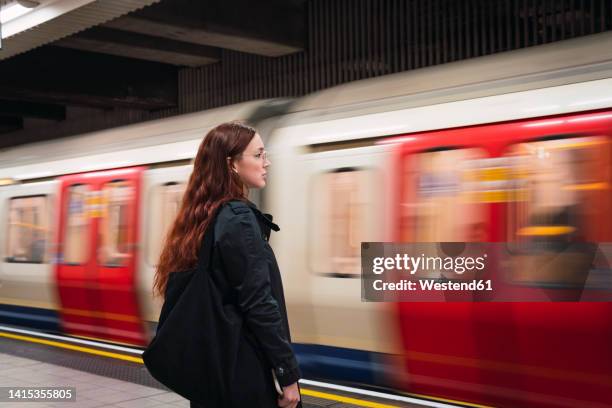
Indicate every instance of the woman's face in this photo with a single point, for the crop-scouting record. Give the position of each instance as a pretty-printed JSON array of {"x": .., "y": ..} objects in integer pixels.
[{"x": 252, "y": 164}]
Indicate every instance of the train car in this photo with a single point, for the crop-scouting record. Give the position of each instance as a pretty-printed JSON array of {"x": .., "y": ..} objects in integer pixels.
[
  {"x": 388, "y": 159},
  {"x": 383, "y": 159}
]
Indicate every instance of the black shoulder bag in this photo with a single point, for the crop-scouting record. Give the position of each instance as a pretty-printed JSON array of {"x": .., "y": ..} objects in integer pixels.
[{"x": 195, "y": 349}]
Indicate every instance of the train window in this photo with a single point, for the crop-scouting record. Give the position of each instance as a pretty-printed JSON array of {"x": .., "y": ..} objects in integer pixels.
[
  {"x": 164, "y": 205},
  {"x": 114, "y": 230},
  {"x": 439, "y": 185},
  {"x": 28, "y": 229},
  {"x": 567, "y": 185},
  {"x": 343, "y": 202},
  {"x": 76, "y": 240}
]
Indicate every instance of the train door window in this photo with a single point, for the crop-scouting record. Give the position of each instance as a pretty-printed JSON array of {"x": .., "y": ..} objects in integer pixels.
[
  {"x": 444, "y": 197},
  {"x": 76, "y": 240},
  {"x": 343, "y": 202},
  {"x": 567, "y": 199},
  {"x": 440, "y": 185},
  {"x": 165, "y": 203},
  {"x": 114, "y": 230},
  {"x": 28, "y": 229}
]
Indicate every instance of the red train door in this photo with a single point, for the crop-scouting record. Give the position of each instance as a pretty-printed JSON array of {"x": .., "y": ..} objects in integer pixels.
[
  {"x": 435, "y": 206},
  {"x": 97, "y": 253},
  {"x": 519, "y": 184}
]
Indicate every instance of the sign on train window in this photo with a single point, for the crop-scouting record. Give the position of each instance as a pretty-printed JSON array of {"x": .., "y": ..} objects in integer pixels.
[
  {"x": 76, "y": 238},
  {"x": 567, "y": 201},
  {"x": 443, "y": 196},
  {"x": 28, "y": 229},
  {"x": 344, "y": 211},
  {"x": 113, "y": 223},
  {"x": 164, "y": 204}
]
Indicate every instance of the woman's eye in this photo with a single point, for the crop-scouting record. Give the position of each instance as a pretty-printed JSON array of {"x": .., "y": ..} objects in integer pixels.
[{"x": 258, "y": 155}]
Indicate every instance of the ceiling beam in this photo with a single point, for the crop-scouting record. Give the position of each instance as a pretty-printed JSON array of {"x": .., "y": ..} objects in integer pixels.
[
  {"x": 32, "y": 110},
  {"x": 272, "y": 28},
  {"x": 133, "y": 45},
  {"x": 71, "y": 77}
]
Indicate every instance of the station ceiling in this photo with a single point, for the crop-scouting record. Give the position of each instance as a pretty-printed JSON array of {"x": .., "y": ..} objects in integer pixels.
[{"x": 127, "y": 53}]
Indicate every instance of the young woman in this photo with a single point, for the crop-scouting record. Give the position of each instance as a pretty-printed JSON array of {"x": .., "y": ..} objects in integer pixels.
[{"x": 231, "y": 160}]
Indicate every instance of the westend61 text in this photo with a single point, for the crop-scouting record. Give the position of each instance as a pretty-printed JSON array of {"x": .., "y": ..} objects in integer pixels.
[{"x": 427, "y": 284}]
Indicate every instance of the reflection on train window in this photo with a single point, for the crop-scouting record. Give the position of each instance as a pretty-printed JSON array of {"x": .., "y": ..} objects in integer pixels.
[
  {"x": 440, "y": 185},
  {"x": 343, "y": 202},
  {"x": 113, "y": 225},
  {"x": 165, "y": 203},
  {"x": 28, "y": 229},
  {"x": 76, "y": 240},
  {"x": 567, "y": 185}
]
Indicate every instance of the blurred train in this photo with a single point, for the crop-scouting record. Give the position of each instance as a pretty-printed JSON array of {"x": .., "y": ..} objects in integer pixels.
[{"x": 468, "y": 151}]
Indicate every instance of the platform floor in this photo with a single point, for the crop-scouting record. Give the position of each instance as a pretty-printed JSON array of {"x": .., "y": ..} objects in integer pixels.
[{"x": 109, "y": 381}]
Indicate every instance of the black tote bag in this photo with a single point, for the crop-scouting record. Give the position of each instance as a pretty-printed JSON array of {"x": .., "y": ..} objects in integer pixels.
[{"x": 195, "y": 349}]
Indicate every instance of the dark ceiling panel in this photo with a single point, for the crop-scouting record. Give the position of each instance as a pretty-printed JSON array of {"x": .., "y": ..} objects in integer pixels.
[
  {"x": 271, "y": 28},
  {"x": 146, "y": 47},
  {"x": 65, "y": 76},
  {"x": 32, "y": 109},
  {"x": 10, "y": 123}
]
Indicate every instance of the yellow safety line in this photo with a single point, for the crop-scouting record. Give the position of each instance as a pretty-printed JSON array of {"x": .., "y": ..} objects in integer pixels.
[
  {"x": 71, "y": 347},
  {"x": 304, "y": 391},
  {"x": 449, "y": 401},
  {"x": 348, "y": 400},
  {"x": 97, "y": 339}
]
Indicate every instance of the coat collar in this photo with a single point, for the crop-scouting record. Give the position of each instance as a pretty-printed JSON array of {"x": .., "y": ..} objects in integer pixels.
[{"x": 265, "y": 218}]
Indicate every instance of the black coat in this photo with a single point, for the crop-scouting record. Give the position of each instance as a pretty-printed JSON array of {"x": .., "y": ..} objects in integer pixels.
[{"x": 245, "y": 270}]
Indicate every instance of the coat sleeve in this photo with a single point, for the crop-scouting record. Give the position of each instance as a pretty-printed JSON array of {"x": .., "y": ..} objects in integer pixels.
[{"x": 243, "y": 256}]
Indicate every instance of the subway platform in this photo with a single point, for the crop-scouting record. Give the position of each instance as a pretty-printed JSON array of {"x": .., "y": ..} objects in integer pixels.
[{"x": 108, "y": 375}]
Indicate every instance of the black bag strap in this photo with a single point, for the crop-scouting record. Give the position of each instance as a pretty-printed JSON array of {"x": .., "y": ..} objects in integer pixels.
[{"x": 206, "y": 250}]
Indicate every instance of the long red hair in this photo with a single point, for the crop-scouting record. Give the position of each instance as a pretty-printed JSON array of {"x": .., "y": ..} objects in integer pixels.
[{"x": 211, "y": 184}]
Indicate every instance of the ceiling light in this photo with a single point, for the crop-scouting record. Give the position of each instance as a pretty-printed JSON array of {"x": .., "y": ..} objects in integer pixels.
[{"x": 15, "y": 10}]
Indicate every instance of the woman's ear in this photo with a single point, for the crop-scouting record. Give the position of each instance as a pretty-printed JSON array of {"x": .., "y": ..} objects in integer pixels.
[{"x": 231, "y": 165}]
